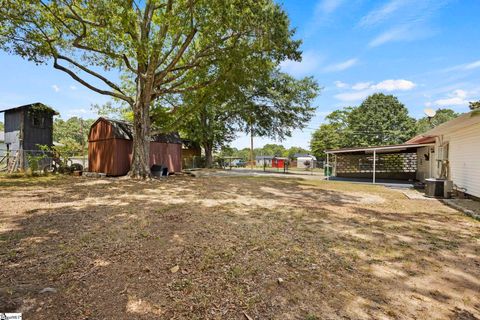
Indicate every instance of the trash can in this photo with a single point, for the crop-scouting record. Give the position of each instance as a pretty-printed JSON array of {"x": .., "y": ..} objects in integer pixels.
[
  {"x": 434, "y": 187},
  {"x": 156, "y": 170},
  {"x": 327, "y": 170}
]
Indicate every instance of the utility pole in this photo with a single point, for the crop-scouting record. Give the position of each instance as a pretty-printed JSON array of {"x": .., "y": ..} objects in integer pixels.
[
  {"x": 251, "y": 146},
  {"x": 83, "y": 143}
]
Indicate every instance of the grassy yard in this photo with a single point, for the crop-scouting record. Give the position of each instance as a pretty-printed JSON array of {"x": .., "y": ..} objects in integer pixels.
[{"x": 215, "y": 248}]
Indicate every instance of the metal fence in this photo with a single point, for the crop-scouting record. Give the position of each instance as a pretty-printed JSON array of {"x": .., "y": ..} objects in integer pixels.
[{"x": 37, "y": 160}]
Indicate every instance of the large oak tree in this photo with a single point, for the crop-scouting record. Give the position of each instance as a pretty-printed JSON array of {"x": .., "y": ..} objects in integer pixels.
[{"x": 155, "y": 45}]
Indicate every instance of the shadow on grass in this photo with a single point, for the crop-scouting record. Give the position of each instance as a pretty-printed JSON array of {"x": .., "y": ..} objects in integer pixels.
[{"x": 109, "y": 248}]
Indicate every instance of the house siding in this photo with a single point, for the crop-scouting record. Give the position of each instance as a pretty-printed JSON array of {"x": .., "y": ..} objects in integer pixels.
[{"x": 464, "y": 158}]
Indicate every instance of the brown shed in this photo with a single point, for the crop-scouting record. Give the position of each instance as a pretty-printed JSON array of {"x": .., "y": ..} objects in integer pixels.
[{"x": 110, "y": 148}]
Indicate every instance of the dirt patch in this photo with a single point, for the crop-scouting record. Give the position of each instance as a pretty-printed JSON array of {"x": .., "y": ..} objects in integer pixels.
[{"x": 215, "y": 247}]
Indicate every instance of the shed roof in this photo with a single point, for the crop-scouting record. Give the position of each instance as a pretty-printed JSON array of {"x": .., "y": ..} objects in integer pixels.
[
  {"x": 385, "y": 149},
  {"x": 31, "y": 105},
  {"x": 124, "y": 130},
  {"x": 264, "y": 157}
]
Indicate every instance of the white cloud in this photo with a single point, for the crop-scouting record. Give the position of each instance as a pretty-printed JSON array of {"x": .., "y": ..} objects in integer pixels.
[
  {"x": 456, "y": 98},
  {"x": 340, "y": 84},
  {"x": 73, "y": 88},
  {"x": 353, "y": 96},
  {"x": 361, "y": 85},
  {"x": 364, "y": 89},
  {"x": 381, "y": 14},
  {"x": 394, "y": 85},
  {"x": 56, "y": 88},
  {"x": 464, "y": 67},
  {"x": 310, "y": 62},
  {"x": 341, "y": 66},
  {"x": 473, "y": 65},
  {"x": 327, "y": 6},
  {"x": 395, "y": 34},
  {"x": 77, "y": 112}
]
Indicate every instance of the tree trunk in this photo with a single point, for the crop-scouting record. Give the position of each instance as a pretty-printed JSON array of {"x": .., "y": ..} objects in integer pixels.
[
  {"x": 140, "y": 168},
  {"x": 208, "y": 155}
]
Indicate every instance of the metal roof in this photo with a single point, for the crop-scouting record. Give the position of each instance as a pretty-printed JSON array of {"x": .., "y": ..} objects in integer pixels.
[
  {"x": 124, "y": 130},
  {"x": 390, "y": 148},
  {"x": 29, "y": 106}
]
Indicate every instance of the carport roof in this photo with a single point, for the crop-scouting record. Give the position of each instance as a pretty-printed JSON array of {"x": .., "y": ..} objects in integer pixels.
[{"x": 378, "y": 149}]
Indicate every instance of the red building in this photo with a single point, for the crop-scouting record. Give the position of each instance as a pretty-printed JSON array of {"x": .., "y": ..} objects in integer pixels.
[{"x": 110, "y": 148}]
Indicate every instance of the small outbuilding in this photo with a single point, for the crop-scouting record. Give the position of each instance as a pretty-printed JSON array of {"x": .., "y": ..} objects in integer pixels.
[
  {"x": 26, "y": 128},
  {"x": 110, "y": 148},
  {"x": 305, "y": 161},
  {"x": 264, "y": 161}
]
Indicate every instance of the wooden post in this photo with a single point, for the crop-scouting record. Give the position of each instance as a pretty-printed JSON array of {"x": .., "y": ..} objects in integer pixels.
[{"x": 374, "y": 164}]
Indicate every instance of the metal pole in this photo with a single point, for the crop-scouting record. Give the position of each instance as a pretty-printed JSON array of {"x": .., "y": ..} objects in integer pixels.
[
  {"x": 83, "y": 144},
  {"x": 251, "y": 147},
  {"x": 374, "y": 164},
  {"x": 328, "y": 172}
]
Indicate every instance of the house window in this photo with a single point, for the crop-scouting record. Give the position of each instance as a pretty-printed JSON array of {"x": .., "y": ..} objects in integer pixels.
[{"x": 38, "y": 121}]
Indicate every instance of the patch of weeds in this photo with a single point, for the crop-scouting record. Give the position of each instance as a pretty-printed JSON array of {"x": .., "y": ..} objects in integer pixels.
[
  {"x": 181, "y": 284},
  {"x": 64, "y": 266},
  {"x": 236, "y": 272},
  {"x": 312, "y": 317}
]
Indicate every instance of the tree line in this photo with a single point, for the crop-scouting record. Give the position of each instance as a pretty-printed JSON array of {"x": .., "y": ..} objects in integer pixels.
[
  {"x": 379, "y": 120},
  {"x": 270, "y": 149}
]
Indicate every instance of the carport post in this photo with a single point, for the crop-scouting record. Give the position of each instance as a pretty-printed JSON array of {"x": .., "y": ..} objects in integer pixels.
[
  {"x": 328, "y": 172},
  {"x": 374, "y": 164}
]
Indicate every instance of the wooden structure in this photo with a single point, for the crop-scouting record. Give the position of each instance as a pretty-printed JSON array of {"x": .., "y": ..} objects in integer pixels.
[
  {"x": 110, "y": 148},
  {"x": 27, "y": 127}
]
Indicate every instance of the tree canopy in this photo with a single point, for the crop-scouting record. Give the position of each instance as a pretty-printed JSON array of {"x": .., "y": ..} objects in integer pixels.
[
  {"x": 157, "y": 46},
  {"x": 380, "y": 120},
  {"x": 72, "y": 132},
  {"x": 442, "y": 115}
]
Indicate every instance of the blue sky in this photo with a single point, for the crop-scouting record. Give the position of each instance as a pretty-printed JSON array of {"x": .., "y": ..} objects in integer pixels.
[{"x": 425, "y": 52}]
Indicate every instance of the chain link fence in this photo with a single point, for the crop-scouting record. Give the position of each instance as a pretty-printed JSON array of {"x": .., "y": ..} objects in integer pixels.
[{"x": 40, "y": 161}]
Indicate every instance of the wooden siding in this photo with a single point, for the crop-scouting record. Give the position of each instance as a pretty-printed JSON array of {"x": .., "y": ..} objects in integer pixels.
[
  {"x": 464, "y": 158},
  {"x": 166, "y": 154},
  {"x": 113, "y": 156},
  {"x": 101, "y": 130},
  {"x": 35, "y": 135}
]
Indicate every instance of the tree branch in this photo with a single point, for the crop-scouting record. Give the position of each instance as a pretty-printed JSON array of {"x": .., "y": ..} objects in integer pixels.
[{"x": 91, "y": 87}]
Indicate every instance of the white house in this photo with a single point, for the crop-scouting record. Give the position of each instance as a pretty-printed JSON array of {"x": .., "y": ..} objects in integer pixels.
[
  {"x": 306, "y": 161},
  {"x": 264, "y": 161},
  {"x": 457, "y": 143}
]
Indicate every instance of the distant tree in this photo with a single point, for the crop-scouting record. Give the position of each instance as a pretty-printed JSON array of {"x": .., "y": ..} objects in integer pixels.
[
  {"x": 72, "y": 132},
  {"x": 290, "y": 152},
  {"x": 2, "y": 127},
  {"x": 380, "y": 120},
  {"x": 328, "y": 136},
  {"x": 272, "y": 149},
  {"x": 275, "y": 106},
  {"x": 442, "y": 115}
]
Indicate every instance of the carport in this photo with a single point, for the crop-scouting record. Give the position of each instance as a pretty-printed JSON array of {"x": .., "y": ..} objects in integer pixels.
[{"x": 394, "y": 162}]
